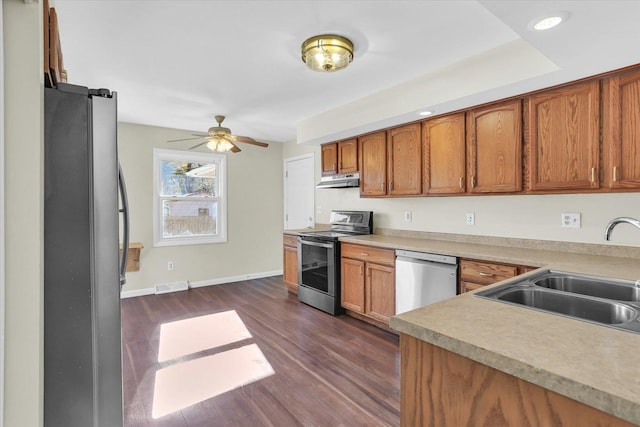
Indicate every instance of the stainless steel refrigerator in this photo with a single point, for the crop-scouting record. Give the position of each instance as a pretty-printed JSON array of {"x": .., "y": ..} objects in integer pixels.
[{"x": 83, "y": 271}]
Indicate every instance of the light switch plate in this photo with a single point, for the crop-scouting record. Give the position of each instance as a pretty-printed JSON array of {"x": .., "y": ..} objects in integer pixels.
[
  {"x": 571, "y": 220},
  {"x": 407, "y": 216}
]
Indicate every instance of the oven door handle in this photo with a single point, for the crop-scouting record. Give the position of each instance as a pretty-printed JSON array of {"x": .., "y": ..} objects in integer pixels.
[{"x": 320, "y": 245}]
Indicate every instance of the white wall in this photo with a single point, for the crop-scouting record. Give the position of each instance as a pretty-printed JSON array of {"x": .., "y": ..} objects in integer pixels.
[
  {"x": 23, "y": 213},
  {"x": 255, "y": 211},
  {"x": 525, "y": 216}
]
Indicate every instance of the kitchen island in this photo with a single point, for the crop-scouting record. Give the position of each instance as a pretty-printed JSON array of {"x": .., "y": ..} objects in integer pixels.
[{"x": 474, "y": 361}]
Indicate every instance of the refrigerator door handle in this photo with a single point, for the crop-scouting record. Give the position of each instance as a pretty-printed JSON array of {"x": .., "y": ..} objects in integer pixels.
[{"x": 125, "y": 234}]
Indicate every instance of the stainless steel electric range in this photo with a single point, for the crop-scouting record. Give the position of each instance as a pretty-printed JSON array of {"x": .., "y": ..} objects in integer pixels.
[{"x": 319, "y": 259}]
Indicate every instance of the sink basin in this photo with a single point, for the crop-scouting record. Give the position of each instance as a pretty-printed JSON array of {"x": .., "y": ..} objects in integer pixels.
[
  {"x": 605, "y": 301},
  {"x": 587, "y": 286},
  {"x": 607, "y": 312}
]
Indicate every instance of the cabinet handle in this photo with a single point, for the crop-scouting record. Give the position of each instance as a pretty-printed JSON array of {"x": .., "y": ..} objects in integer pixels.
[
  {"x": 340, "y": 165},
  {"x": 382, "y": 186},
  {"x": 362, "y": 270},
  {"x": 368, "y": 272},
  {"x": 364, "y": 254},
  {"x": 460, "y": 182},
  {"x": 486, "y": 274},
  {"x": 593, "y": 174},
  {"x": 473, "y": 181},
  {"x": 391, "y": 185},
  {"x": 615, "y": 173}
]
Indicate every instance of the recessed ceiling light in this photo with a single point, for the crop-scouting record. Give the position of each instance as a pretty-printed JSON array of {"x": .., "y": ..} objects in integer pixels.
[
  {"x": 425, "y": 113},
  {"x": 547, "y": 22}
]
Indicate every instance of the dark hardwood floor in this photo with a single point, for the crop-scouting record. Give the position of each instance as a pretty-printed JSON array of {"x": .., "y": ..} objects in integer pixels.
[{"x": 329, "y": 371}]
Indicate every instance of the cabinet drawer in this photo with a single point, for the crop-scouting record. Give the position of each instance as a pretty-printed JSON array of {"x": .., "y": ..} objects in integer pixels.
[
  {"x": 290, "y": 240},
  {"x": 485, "y": 273},
  {"x": 369, "y": 254}
]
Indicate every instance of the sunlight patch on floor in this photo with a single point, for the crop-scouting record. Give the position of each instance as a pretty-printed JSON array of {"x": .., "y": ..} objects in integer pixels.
[
  {"x": 185, "y": 384},
  {"x": 188, "y": 336}
]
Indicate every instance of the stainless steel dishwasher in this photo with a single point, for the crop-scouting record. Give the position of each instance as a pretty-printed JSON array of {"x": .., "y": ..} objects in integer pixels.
[{"x": 424, "y": 278}]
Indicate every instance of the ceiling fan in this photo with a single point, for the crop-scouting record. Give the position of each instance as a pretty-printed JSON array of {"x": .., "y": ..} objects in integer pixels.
[{"x": 221, "y": 139}]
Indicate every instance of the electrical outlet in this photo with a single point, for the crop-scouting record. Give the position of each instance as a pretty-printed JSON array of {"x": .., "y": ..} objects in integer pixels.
[
  {"x": 170, "y": 265},
  {"x": 571, "y": 220},
  {"x": 407, "y": 216},
  {"x": 471, "y": 218}
]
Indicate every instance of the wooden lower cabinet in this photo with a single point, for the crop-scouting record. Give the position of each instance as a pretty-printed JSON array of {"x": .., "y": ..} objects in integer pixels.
[
  {"x": 381, "y": 292},
  {"x": 290, "y": 261},
  {"x": 353, "y": 286},
  {"x": 368, "y": 278},
  {"x": 476, "y": 274},
  {"x": 441, "y": 388}
]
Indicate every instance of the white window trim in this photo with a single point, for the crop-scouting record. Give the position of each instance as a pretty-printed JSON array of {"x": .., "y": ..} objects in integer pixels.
[{"x": 189, "y": 156}]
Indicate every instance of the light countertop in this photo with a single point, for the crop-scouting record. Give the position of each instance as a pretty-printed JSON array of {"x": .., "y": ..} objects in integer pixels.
[{"x": 593, "y": 364}]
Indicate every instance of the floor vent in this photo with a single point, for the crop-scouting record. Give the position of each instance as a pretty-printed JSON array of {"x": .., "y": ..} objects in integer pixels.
[{"x": 165, "y": 288}]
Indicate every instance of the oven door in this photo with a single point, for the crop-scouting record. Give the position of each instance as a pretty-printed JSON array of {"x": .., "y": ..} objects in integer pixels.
[{"x": 317, "y": 264}]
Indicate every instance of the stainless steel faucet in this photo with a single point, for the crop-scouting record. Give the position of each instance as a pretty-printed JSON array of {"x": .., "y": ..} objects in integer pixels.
[{"x": 616, "y": 221}]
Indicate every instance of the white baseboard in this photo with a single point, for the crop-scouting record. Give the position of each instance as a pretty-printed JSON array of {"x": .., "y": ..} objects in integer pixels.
[
  {"x": 202, "y": 283},
  {"x": 232, "y": 279}
]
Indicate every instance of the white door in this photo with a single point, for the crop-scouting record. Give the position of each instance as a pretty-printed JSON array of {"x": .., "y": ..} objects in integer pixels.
[{"x": 299, "y": 192}]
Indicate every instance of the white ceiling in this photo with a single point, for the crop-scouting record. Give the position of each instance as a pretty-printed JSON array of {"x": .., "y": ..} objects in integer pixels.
[{"x": 178, "y": 63}]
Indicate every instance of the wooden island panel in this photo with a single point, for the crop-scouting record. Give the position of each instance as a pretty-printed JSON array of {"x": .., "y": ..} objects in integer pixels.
[{"x": 441, "y": 388}]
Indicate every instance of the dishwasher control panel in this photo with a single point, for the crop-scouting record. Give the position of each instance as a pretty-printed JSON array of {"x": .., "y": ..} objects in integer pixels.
[{"x": 424, "y": 256}]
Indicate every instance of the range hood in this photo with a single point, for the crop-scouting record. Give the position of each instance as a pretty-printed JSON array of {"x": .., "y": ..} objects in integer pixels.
[{"x": 340, "y": 181}]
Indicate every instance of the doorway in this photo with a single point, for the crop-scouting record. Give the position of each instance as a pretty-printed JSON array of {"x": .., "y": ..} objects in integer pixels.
[{"x": 299, "y": 192}]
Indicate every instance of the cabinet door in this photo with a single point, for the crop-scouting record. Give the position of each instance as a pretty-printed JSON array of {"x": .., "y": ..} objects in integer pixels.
[
  {"x": 621, "y": 130},
  {"x": 329, "y": 159},
  {"x": 494, "y": 148},
  {"x": 352, "y": 286},
  {"x": 443, "y": 148},
  {"x": 381, "y": 292},
  {"x": 348, "y": 156},
  {"x": 563, "y": 137},
  {"x": 290, "y": 277},
  {"x": 469, "y": 286},
  {"x": 404, "y": 160},
  {"x": 373, "y": 165}
]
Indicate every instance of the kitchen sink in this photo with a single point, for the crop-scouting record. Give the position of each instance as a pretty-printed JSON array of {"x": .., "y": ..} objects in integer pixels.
[
  {"x": 607, "y": 312},
  {"x": 588, "y": 286},
  {"x": 605, "y": 301}
]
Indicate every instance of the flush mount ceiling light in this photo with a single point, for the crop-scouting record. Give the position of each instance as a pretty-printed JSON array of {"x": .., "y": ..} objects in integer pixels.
[
  {"x": 327, "y": 52},
  {"x": 547, "y": 22},
  {"x": 425, "y": 113}
]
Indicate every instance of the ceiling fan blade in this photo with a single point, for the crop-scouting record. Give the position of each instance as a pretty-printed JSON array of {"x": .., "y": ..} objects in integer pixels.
[
  {"x": 235, "y": 148},
  {"x": 248, "y": 140},
  {"x": 197, "y": 145},
  {"x": 186, "y": 139}
]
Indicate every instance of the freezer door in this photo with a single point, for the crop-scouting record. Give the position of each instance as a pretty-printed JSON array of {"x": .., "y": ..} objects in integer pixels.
[{"x": 82, "y": 339}]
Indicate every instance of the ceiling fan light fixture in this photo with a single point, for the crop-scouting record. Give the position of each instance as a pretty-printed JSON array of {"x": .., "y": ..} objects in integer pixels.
[
  {"x": 327, "y": 52},
  {"x": 221, "y": 145}
]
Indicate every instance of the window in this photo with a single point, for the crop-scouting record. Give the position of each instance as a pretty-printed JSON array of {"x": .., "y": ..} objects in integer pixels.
[{"x": 189, "y": 198}]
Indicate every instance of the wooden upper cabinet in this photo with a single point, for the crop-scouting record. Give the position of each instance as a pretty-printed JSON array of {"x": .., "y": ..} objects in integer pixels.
[
  {"x": 330, "y": 159},
  {"x": 373, "y": 171},
  {"x": 563, "y": 138},
  {"x": 621, "y": 130},
  {"x": 494, "y": 148},
  {"x": 340, "y": 157},
  {"x": 348, "y": 156},
  {"x": 404, "y": 160},
  {"x": 443, "y": 149}
]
